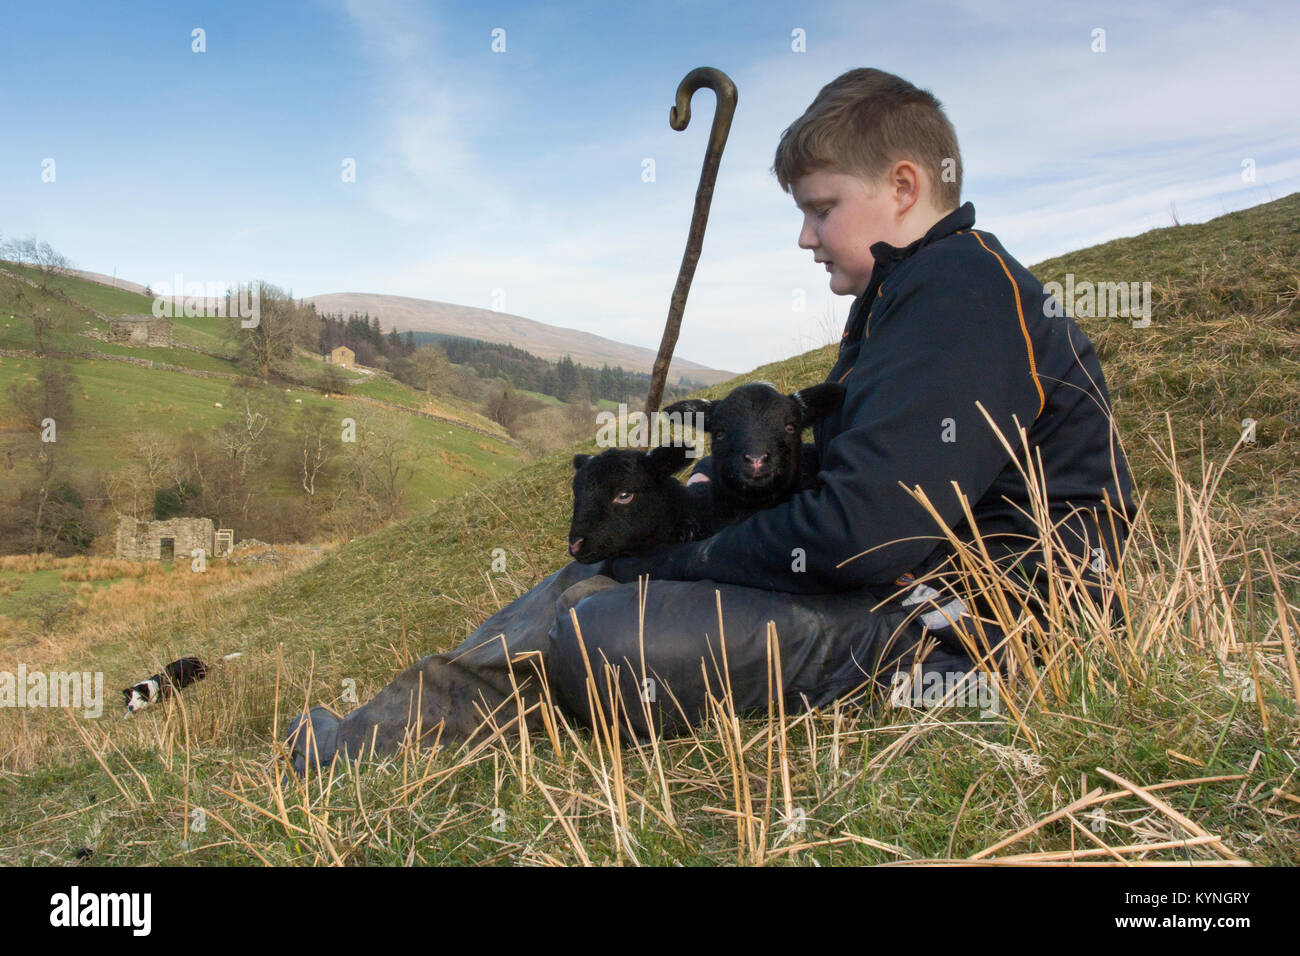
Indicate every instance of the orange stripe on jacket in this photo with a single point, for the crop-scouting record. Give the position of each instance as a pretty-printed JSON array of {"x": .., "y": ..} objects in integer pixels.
[{"x": 1029, "y": 346}]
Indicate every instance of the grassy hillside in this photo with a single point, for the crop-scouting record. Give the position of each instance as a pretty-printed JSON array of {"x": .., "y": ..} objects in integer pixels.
[
  {"x": 1223, "y": 346},
  {"x": 118, "y": 398},
  {"x": 1195, "y": 703},
  {"x": 198, "y": 331},
  {"x": 75, "y": 301},
  {"x": 444, "y": 406}
]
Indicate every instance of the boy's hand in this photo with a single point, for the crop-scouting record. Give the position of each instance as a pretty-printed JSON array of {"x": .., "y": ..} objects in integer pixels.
[{"x": 626, "y": 570}]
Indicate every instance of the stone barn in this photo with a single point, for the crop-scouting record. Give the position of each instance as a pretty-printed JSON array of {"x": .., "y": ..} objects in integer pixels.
[
  {"x": 343, "y": 356},
  {"x": 141, "y": 330},
  {"x": 163, "y": 540}
]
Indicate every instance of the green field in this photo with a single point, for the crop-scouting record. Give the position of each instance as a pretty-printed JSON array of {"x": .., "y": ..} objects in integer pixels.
[
  {"x": 199, "y": 331},
  {"x": 118, "y": 398},
  {"x": 603, "y": 404},
  {"x": 447, "y": 406}
]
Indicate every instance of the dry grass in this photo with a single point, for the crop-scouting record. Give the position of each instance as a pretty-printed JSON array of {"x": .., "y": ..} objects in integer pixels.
[{"x": 843, "y": 785}]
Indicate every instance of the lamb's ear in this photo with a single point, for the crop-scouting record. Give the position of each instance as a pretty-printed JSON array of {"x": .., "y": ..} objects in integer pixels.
[
  {"x": 580, "y": 460},
  {"x": 691, "y": 407},
  {"x": 665, "y": 460},
  {"x": 817, "y": 402}
]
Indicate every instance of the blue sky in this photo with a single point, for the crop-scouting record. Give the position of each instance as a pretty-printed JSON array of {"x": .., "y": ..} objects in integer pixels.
[{"x": 520, "y": 171}]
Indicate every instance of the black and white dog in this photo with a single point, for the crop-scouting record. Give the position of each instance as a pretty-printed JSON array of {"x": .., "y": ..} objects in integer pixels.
[{"x": 175, "y": 676}]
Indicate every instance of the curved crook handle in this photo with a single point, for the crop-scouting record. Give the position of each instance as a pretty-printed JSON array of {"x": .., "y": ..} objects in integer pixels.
[
  {"x": 679, "y": 115},
  {"x": 678, "y": 118}
]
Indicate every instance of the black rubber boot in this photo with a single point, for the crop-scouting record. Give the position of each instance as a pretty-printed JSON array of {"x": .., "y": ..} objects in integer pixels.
[{"x": 446, "y": 698}]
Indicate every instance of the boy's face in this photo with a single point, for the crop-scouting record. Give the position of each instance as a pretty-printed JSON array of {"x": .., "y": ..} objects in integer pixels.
[{"x": 843, "y": 216}]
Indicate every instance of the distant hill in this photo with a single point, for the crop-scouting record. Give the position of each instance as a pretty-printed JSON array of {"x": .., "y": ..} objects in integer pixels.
[
  {"x": 113, "y": 281},
  {"x": 117, "y": 282},
  {"x": 545, "y": 341}
]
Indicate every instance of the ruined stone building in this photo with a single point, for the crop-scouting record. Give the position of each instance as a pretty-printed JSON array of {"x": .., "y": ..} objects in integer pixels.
[
  {"x": 141, "y": 330},
  {"x": 163, "y": 540}
]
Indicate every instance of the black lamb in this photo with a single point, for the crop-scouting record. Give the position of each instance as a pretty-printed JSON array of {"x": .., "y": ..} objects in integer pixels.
[
  {"x": 756, "y": 433},
  {"x": 627, "y": 502}
]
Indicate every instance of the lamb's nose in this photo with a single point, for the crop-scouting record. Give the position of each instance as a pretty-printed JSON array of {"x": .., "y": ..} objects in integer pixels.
[
  {"x": 575, "y": 546},
  {"x": 756, "y": 462}
]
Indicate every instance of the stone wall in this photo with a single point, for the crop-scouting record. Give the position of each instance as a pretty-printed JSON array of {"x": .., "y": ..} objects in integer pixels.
[
  {"x": 128, "y": 359},
  {"x": 153, "y": 332},
  {"x": 142, "y": 540}
]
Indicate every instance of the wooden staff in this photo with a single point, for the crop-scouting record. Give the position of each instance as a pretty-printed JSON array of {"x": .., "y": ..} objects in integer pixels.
[{"x": 678, "y": 117}]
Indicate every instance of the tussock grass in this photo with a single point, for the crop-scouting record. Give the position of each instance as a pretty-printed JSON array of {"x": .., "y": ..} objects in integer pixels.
[
  {"x": 1171, "y": 739},
  {"x": 1223, "y": 346}
]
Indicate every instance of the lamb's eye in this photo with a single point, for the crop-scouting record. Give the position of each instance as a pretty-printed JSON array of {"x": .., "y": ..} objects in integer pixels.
[
  {"x": 623, "y": 497},
  {"x": 719, "y": 435},
  {"x": 791, "y": 429}
]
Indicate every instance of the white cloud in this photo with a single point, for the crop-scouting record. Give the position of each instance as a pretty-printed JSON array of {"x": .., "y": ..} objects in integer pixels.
[
  {"x": 426, "y": 115},
  {"x": 1062, "y": 148}
]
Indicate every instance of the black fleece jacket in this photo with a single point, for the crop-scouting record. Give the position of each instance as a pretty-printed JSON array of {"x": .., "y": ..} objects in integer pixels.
[{"x": 947, "y": 322}]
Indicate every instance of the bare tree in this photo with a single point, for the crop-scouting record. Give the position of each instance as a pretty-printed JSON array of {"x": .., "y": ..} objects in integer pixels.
[
  {"x": 239, "y": 441},
  {"x": 382, "y": 464},
  {"x": 44, "y": 407},
  {"x": 49, "y": 397},
  {"x": 432, "y": 367},
  {"x": 258, "y": 415},
  {"x": 332, "y": 381},
  {"x": 49, "y": 263},
  {"x": 49, "y": 512},
  {"x": 156, "y": 454},
  {"x": 506, "y": 407},
  {"x": 40, "y": 255},
  {"x": 315, "y": 444},
  {"x": 45, "y": 471},
  {"x": 153, "y": 466},
  {"x": 267, "y": 347},
  {"x": 216, "y": 478}
]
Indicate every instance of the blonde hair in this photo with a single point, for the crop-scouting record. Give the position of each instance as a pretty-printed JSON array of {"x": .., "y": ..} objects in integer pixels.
[{"x": 863, "y": 122}]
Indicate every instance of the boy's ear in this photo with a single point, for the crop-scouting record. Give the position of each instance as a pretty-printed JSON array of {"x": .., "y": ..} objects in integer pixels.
[
  {"x": 817, "y": 402},
  {"x": 665, "y": 460},
  {"x": 580, "y": 460},
  {"x": 691, "y": 407}
]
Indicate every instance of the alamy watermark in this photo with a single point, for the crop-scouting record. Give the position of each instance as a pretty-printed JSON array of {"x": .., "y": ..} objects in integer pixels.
[
  {"x": 75, "y": 689},
  {"x": 623, "y": 429},
  {"x": 130, "y": 910},
  {"x": 953, "y": 689},
  {"x": 209, "y": 300},
  {"x": 1108, "y": 300}
]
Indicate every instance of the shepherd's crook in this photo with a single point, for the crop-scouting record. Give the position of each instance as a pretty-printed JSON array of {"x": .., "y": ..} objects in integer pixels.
[{"x": 678, "y": 117}]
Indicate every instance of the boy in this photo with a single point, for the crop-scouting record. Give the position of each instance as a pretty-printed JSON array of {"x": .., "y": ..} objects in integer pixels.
[{"x": 944, "y": 318}]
